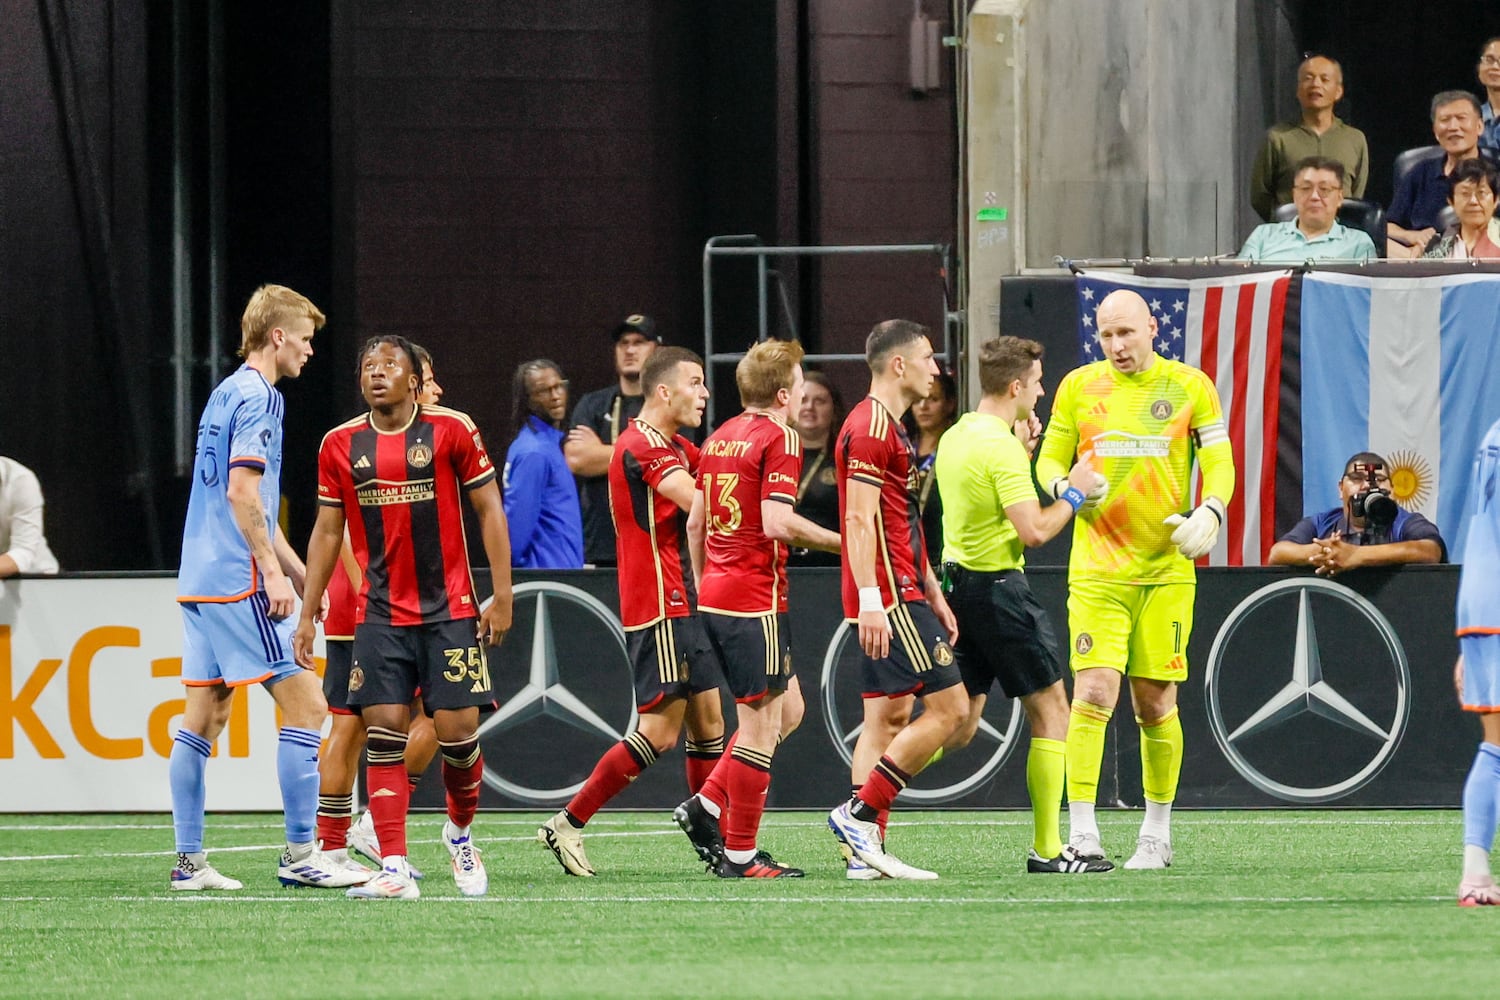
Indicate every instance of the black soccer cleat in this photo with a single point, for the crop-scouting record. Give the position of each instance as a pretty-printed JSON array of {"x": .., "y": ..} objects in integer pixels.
[
  {"x": 760, "y": 866},
  {"x": 702, "y": 831},
  {"x": 1067, "y": 863}
]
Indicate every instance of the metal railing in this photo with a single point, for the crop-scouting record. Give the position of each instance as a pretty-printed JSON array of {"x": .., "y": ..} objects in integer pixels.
[{"x": 749, "y": 245}]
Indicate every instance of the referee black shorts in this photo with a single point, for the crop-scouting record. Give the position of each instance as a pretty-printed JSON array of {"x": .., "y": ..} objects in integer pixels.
[{"x": 1003, "y": 632}]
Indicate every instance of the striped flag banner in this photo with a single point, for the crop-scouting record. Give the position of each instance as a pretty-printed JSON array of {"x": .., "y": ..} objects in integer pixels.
[
  {"x": 1232, "y": 329},
  {"x": 1408, "y": 368}
]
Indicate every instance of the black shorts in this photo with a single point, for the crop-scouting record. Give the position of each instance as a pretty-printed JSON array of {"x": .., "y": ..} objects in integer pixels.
[
  {"x": 1003, "y": 632},
  {"x": 756, "y": 653},
  {"x": 442, "y": 661},
  {"x": 671, "y": 659},
  {"x": 920, "y": 662},
  {"x": 340, "y": 656}
]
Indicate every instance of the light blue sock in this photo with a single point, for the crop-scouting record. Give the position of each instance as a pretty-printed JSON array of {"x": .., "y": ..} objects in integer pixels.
[
  {"x": 1482, "y": 797},
  {"x": 185, "y": 768},
  {"x": 297, "y": 770}
]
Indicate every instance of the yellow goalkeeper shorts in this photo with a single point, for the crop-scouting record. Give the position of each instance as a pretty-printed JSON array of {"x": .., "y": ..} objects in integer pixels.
[{"x": 1141, "y": 631}]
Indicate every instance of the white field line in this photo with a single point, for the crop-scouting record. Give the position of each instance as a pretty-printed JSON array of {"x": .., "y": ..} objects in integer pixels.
[{"x": 314, "y": 897}]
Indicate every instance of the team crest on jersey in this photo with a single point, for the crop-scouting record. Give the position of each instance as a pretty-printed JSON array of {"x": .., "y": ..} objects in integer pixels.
[
  {"x": 1084, "y": 644},
  {"x": 942, "y": 653},
  {"x": 356, "y": 679},
  {"x": 1161, "y": 409},
  {"x": 419, "y": 455}
]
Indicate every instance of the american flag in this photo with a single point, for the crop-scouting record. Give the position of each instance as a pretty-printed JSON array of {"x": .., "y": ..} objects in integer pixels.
[{"x": 1231, "y": 328}]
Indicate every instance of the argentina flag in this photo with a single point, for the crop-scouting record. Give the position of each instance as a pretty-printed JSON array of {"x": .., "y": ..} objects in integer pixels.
[{"x": 1408, "y": 368}]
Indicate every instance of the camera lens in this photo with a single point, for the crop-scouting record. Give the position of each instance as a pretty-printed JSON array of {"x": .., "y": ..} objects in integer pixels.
[{"x": 1380, "y": 509}]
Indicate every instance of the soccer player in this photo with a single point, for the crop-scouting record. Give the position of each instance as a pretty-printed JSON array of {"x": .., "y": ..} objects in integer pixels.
[
  {"x": 402, "y": 469},
  {"x": 740, "y": 530},
  {"x": 1131, "y": 582},
  {"x": 990, "y": 516},
  {"x": 892, "y": 595},
  {"x": 650, "y": 494},
  {"x": 236, "y": 588},
  {"x": 346, "y": 737},
  {"x": 1477, "y": 673}
]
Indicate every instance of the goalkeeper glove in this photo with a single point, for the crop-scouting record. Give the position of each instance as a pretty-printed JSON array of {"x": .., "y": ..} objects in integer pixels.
[
  {"x": 1093, "y": 498},
  {"x": 1195, "y": 534}
]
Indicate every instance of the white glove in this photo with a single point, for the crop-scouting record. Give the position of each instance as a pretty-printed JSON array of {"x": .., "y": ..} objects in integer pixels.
[
  {"x": 1196, "y": 534},
  {"x": 1093, "y": 498}
]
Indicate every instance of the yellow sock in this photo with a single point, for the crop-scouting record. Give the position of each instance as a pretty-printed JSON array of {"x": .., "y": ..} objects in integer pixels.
[
  {"x": 1046, "y": 761},
  {"x": 1161, "y": 756},
  {"x": 1086, "y": 727}
]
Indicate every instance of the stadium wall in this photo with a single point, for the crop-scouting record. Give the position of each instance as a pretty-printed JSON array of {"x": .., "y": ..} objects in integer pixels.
[{"x": 1303, "y": 692}]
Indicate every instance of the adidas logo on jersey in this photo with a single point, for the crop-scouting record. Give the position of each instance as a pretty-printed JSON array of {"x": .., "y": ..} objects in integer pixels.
[{"x": 363, "y": 463}]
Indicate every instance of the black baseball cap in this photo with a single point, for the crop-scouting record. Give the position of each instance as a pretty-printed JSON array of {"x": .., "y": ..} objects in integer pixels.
[{"x": 637, "y": 323}]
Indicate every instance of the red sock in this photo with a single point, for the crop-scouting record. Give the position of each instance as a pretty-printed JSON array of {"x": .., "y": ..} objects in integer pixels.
[
  {"x": 715, "y": 787},
  {"x": 885, "y": 782},
  {"x": 333, "y": 831},
  {"x": 881, "y": 821},
  {"x": 463, "y": 771},
  {"x": 749, "y": 775},
  {"x": 389, "y": 799},
  {"x": 619, "y": 766}
]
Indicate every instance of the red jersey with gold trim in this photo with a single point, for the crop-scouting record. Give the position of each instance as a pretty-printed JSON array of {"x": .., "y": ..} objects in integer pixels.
[
  {"x": 873, "y": 448},
  {"x": 655, "y": 570},
  {"x": 752, "y": 458},
  {"x": 342, "y": 602},
  {"x": 402, "y": 493}
]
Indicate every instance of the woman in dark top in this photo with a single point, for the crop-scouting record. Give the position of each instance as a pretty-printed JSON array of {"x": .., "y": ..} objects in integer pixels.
[
  {"x": 926, "y": 422},
  {"x": 818, "y": 420}
]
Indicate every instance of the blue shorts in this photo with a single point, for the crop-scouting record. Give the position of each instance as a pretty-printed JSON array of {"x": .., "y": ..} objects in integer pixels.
[
  {"x": 1481, "y": 672},
  {"x": 234, "y": 644}
]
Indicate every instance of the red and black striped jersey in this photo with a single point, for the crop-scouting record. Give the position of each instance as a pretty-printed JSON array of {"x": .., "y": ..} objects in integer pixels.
[
  {"x": 655, "y": 571},
  {"x": 402, "y": 493},
  {"x": 873, "y": 448},
  {"x": 753, "y": 457}
]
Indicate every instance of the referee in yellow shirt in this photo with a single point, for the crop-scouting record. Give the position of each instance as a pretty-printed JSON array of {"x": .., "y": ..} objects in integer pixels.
[{"x": 990, "y": 515}]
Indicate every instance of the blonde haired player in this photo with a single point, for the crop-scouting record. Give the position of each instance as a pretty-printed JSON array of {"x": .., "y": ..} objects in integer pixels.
[{"x": 1131, "y": 581}]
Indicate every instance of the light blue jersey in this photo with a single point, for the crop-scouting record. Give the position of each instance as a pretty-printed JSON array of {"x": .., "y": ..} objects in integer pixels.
[
  {"x": 1479, "y": 586},
  {"x": 240, "y": 426}
]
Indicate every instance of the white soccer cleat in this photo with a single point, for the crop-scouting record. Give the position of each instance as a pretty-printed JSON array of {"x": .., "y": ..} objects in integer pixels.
[
  {"x": 468, "y": 869},
  {"x": 196, "y": 876},
  {"x": 565, "y": 841},
  {"x": 1471, "y": 892},
  {"x": 857, "y": 871},
  {"x": 339, "y": 858},
  {"x": 863, "y": 840},
  {"x": 1086, "y": 845},
  {"x": 394, "y": 882},
  {"x": 1151, "y": 853},
  {"x": 319, "y": 871},
  {"x": 362, "y": 841}
]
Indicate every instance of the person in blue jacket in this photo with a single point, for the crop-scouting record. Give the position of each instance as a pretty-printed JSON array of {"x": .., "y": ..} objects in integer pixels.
[
  {"x": 541, "y": 496},
  {"x": 1367, "y": 529}
]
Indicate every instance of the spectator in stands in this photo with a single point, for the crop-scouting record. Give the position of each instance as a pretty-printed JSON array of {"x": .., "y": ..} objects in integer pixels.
[
  {"x": 926, "y": 422},
  {"x": 23, "y": 547},
  {"x": 1319, "y": 132},
  {"x": 1489, "y": 78},
  {"x": 818, "y": 490},
  {"x": 1420, "y": 196},
  {"x": 541, "y": 499},
  {"x": 1358, "y": 532},
  {"x": 1472, "y": 187},
  {"x": 598, "y": 419},
  {"x": 1316, "y": 233}
]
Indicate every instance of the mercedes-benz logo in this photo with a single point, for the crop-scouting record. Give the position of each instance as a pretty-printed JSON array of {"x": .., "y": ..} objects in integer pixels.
[
  {"x": 1000, "y": 725},
  {"x": 1367, "y": 640},
  {"x": 545, "y": 694}
]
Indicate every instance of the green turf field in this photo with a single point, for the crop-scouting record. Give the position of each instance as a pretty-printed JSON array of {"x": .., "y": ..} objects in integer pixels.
[{"x": 1257, "y": 904}]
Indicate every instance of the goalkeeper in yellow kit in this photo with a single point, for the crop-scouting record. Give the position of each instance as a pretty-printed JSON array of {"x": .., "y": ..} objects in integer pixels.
[{"x": 1131, "y": 582}]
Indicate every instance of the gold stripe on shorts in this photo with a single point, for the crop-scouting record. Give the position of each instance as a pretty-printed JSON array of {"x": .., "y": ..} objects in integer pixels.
[
  {"x": 668, "y": 665},
  {"x": 905, "y": 628}
]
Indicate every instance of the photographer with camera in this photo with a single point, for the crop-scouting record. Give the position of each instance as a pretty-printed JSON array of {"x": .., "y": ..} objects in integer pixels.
[{"x": 1368, "y": 529}]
